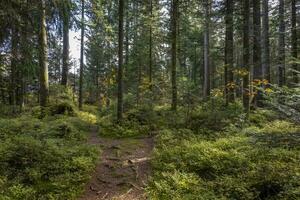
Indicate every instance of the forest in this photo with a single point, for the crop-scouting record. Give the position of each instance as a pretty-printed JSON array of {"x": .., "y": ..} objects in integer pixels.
[{"x": 149, "y": 99}]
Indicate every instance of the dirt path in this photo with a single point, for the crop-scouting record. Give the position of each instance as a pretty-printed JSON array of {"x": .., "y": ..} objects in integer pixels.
[{"x": 123, "y": 170}]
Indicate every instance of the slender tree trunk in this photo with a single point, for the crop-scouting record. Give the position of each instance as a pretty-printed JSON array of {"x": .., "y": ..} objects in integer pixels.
[
  {"x": 25, "y": 63},
  {"x": 80, "y": 100},
  {"x": 127, "y": 35},
  {"x": 66, "y": 45},
  {"x": 294, "y": 42},
  {"x": 174, "y": 15},
  {"x": 206, "y": 86},
  {"x": 43, "y": 56},
  {"x": 150, "y": 46},
  {"x": 14, "y": 63},
  {"x": 281, "y": 46},
  {"x": 194, "y": 71},
  {"x": 257, "y": 67},
  {"x": 229, "y": 91},
  {"x": 246, "y": 56},
  {"x": 120, "y": 64},
  {"x": 266, "y": 42}
]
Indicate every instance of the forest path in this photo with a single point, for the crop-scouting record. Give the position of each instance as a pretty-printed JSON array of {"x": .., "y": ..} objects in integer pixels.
[{"x": 123, "y": 170}]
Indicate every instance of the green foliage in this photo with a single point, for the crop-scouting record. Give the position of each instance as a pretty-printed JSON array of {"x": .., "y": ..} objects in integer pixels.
[
  {"x": 63, "y": 108},
  {"x": 45, "y": 155},
  {"x": 214, "y": 116},
  {"x": 284, "y": 100},
  {"x": 260, "y": 161},
  {"x": 139, "y": 121}
]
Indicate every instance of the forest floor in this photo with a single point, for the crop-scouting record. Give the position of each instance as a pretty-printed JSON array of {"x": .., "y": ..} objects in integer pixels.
[{"x": 123, "y": 170}]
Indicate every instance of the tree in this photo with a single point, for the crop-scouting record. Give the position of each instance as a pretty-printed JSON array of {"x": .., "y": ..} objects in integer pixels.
[
  {"x": 229, "y": 52},
  {"x": 174, "y": 19},
  {"x": 246, "y": 55},
  {"x": 294, "y": 41},
  {"x": 257, "y": 67},
  {"x": 281, "y": 45},
  {"x": 150, "y": 46},
  {"x": 120, "y": 63},
  {"x": 43, "y": 53},
  {"x": 206, "y": 86},
  {"x": 66, "y": 46},
  {"x": 266, "y": 41},
  {"x": 14, "y": 64},
  {"x": 80, "y": 99}
]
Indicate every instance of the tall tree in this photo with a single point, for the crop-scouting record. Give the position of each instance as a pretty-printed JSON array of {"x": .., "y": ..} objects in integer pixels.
[
  {"x": 281, "y": 45},
  {"x": 174, "y": 25},
  {"x": 257, "y": 67},
  {"x": 120, "y": 62},
  {"x": 66, "y": 46},
  {"x": 150, "y": 45},
  {"x": 65, "y": 15},
  {"x": 43, "y": 54},
  {"x": 266, "y": 41},
  {"x": 294, "y": 41},
  {"x": 229, "y": 52},
  {"x": 246, "y": 55},
  {"x": 14, "y": 63},
  {"x": 81, "y": 57},
  {"x": 206, "y": 86}
]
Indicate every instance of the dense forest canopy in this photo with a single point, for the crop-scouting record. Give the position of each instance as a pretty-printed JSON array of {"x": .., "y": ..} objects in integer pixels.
[{"x": 214, "y": 84}]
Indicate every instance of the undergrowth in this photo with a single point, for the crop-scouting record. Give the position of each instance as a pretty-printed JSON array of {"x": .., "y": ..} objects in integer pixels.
[
  {"x": 43, "y": 152},
  {"x": 221, "y": 155}
]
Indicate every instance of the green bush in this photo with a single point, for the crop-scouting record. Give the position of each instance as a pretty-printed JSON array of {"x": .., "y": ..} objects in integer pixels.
[
  {"x": 216, "y": 117},
  {"x": 62, "y": 108},
  {"x": 186, "y": 166},
  {"x": 44, "y": 158}
]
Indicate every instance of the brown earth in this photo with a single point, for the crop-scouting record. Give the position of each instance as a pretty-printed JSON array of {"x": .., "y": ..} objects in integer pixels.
[{"x": 123, "y": 170}]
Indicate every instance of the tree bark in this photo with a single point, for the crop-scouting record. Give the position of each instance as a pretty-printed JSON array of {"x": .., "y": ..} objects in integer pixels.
[
  {"x": 43, "y": 56},
  {"x": 294, "y": 42},
  {"x": 266, "y": 42},
  {"x": 120, "y": 63},
  {"x": 14, "y": 63},
  {"x": 150, "y": 46},
  {"x": 174, "y": 16},
  {"x": 80, "y": 100},
  {"x": 229, "y": 90},
  {"x": 281, "y": 46},
  {"x": 257, "y": 67},
  {"x": 246, "y": 56},
  {"x": 66, "y": 45},
  {"x": 206, "y": 86}
]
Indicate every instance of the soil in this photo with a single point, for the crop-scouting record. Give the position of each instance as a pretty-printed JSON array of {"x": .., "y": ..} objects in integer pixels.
[{"x": 123, "y": 170}]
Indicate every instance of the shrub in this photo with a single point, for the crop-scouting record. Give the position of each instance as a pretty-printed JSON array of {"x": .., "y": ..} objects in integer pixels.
[
  {"x": 232, "y": 167},
  {"x": 216, "y": 118},
  {"x": 63, "y": 108}
]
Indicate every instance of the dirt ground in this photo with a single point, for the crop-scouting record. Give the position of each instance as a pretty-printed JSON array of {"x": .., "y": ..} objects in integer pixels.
[{"x": 123, "y": 170}]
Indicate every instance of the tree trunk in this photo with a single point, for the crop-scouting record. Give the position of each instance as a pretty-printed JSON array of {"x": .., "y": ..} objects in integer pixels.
[
  {"x": 257, "y": 67},
  {"x": 80, "y": 100},
  {"x": 66, "y": 45},
  {"x": 120, "y": 64},
  {"x": 150, "y": 46},
  {"x": 174, "y": 15},
  {"x": 294, "y": 42},
  {"x": 281, "y": 46},
  {"x": 206, "y": 86},
  {"x": 266, "y": 42},
  {"x": 246, "y": 56},
  {"x": 127, "y": 35},
  {"x": 229, "y": 89},
  {"x": 14, "y": 63},
  {"x": 43, "y": 56}
]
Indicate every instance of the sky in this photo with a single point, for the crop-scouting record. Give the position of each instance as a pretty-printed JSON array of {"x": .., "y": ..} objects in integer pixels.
[{"x": 75, "y": 44}]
